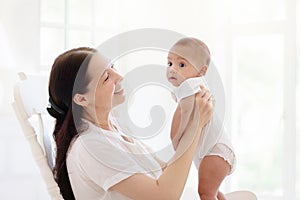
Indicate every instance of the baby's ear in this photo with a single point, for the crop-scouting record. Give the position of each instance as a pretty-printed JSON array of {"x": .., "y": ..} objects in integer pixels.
[
  {"x": 80, "y": 99},
  {"x": 203, "y": 70}
]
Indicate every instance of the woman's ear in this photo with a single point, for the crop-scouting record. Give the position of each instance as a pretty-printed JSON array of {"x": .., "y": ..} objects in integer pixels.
[
  {"x": 203, "y": 70},
  {"x": 80, "y": 99}
]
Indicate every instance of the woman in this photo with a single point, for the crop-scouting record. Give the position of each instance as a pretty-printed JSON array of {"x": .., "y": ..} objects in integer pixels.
[{"x": 94, "y": 159}]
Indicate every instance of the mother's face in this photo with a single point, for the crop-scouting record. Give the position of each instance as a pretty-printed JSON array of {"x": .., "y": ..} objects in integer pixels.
[{"x": 104, "y": 88}]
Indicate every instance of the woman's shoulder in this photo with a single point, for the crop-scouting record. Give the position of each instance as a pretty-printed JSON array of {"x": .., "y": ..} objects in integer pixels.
[{"x": 91, "y": 145}]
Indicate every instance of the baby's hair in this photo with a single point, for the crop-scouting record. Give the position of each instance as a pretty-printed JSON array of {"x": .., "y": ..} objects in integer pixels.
[{"x": 190, "y": 40}]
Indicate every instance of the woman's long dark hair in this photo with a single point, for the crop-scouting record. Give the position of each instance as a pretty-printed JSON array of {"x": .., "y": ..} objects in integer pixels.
[{"x": 62, "y": 87}]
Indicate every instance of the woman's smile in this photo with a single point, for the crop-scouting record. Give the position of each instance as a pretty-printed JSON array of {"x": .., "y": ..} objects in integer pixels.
[{"x": 119, "y": 91}]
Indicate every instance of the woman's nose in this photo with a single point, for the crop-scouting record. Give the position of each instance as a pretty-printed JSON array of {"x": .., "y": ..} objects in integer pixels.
[{"x": 118, "y": 76}]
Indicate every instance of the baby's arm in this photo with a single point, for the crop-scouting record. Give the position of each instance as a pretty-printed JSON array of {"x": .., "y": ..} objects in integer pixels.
[{"x": 181, "y": 118}]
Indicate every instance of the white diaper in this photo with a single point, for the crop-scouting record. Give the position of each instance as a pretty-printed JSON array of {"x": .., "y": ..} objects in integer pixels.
[
  {"x": 225, "y": 152},
  {"x": 223, "y": 148}
]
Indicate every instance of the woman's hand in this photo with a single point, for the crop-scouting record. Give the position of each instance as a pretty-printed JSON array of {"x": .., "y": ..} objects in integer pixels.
[{"x": 203, "y": 109}]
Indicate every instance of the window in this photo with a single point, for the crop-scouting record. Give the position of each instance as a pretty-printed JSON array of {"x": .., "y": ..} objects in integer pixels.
[
  {"x": 257, "y": 112},
  {"x": 256, "y": 11},
  {"x": 69, "y": 24},
  {"x": 263, "y": 80}
]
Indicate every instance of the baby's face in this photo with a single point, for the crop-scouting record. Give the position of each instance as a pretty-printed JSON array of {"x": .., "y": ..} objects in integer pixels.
[{"x": 179, "y": 69}]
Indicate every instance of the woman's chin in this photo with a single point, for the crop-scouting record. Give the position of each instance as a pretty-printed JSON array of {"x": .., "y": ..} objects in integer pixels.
[{"x": 119, "y": 99}]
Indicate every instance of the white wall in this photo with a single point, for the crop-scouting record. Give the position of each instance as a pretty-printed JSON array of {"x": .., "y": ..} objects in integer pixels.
[{"x": 19, "y": 177}]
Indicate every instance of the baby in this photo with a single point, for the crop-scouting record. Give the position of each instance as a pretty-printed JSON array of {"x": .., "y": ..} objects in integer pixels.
[{"x": 188, "y": 61}]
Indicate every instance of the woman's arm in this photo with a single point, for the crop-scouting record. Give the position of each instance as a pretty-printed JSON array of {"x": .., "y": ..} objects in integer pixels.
[
  {"x": 162, "y": 164},
  {"x": 171, "y": 182},
  {"x": 175, "y": 137},
  {"x": 181, "y": 118}
]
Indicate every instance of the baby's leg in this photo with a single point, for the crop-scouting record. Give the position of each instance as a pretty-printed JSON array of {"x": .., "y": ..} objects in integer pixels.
[{"x": 212, "y": 171}]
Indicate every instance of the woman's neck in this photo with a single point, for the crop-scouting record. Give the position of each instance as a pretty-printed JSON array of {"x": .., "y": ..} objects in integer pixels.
[
  {"x": 104, "y": 124},
  {"x": 103, "y": 121}
]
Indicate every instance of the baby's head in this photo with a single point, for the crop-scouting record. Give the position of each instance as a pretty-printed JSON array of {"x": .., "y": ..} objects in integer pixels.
[{"x": 187, "y": 58}]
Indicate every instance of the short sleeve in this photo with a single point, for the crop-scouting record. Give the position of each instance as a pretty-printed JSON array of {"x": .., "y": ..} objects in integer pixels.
[{"x": 106, "y": 163}]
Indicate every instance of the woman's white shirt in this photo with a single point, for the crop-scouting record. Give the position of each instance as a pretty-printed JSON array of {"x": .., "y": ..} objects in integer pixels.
[{"x": 98, "y": 159}]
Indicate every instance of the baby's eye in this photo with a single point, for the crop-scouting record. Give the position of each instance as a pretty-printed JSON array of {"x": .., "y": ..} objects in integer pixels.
[
  {"x": 170, "y": 64},
  {"x": 181, "y": 65}
]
